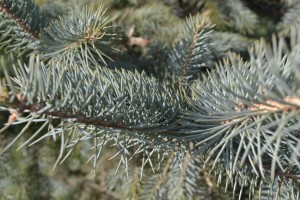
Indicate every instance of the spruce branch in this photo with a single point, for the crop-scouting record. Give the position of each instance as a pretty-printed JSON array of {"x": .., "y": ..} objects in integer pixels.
[
  {"x": 239, "y": 120},
  {"x": 21, "y": 23},
  {"x": 125, "y": 184},
  {"x": 25, "y": 13},
  {"x": 80, "y": 35},
  {"x": 247, "y": 114},
  {"x": 183, "y": 179},
  {"x": 192, "y": 52},
  {"x": 93, "y": 102},
  {"x": 153, "y": 187},
  {"x": 243, "y": 19},
  {"x": 290, "y": 20}
]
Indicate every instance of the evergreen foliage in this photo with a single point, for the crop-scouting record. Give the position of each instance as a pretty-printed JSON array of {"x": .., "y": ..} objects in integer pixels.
[
  {"x": 22, "y": 18},
  {"x": 240, "y": 16},
  {"x": 202, "y": 102}
]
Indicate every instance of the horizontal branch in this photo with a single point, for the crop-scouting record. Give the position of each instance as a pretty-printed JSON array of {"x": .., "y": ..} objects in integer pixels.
[{"x": 19, "y": 106}]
